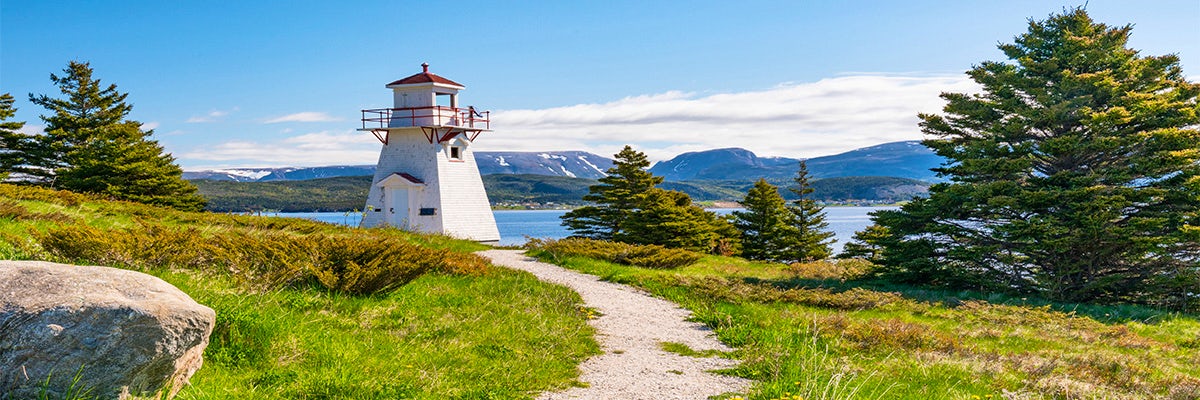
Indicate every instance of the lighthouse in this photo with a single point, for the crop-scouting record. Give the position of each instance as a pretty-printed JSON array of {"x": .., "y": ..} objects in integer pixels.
[{"x": 426, "y": 179}]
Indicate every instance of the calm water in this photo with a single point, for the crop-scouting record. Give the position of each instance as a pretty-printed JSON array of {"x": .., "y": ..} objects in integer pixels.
[{"x": 516, "y": 225}]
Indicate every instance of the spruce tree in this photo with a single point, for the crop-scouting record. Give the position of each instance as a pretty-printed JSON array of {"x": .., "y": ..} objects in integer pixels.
[
  {"x": 616, "y": 197},
  {"x": 90, "y": 146},
  {"x": 13, "y": 143},
  {"x": 1074, "y": 174},
  {"x": 766, "y": 224},
  {"x": 668, "y": 218},
  {"x": 812, "y": 237}
]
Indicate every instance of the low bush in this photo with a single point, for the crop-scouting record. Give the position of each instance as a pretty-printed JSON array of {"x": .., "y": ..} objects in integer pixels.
[
  {"x": 843, "y": 270},
  {"x": 739, "y": 291},
  {"x": 33, "y": 193},
  {"x": 263, "y": 259},
  {"x": 648, "y": 256}
]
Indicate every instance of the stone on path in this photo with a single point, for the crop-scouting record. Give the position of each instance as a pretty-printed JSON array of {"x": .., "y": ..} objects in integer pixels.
[
  {"x": 132, "y": 333},
  {"x": 631, "y": 329}
]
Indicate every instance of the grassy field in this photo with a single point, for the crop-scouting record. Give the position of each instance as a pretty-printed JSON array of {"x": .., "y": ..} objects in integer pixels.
[
  {"x": 295, "y": 320},
  {"x": 806, "y": 331}
]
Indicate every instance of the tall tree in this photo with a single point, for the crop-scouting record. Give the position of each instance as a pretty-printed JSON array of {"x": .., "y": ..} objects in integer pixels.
[
  {"x": 616, "y": 197},
  {"x": 668, "y": 218},
  {"x": 812, "y": 238},
  {"x": 13, "y": 143},
  {"x": 766, "y": 224},
  {"x": 1075, "y": 173},
  {"x": 90, "y": 146}
]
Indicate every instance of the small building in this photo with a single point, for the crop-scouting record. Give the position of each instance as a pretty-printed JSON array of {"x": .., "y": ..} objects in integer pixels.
[{"x": 426, "y": 179}]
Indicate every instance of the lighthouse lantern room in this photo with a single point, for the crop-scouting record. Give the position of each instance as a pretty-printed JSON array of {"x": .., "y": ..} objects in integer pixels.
[{"x": 426, "y": 179}]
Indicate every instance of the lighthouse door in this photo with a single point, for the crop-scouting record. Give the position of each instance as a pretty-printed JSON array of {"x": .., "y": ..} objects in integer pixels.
[{"x": 398, "y": 209}]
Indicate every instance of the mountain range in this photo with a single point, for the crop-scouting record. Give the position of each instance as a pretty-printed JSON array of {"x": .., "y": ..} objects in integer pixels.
[{"x": 908, "y": 159}]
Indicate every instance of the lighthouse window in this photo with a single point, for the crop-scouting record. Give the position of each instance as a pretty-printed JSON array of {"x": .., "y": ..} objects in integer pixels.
[{"x": 456, "y": 153}]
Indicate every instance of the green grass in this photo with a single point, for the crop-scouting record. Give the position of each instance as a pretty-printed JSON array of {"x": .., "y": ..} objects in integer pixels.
[
  {"x": 459, "y": 329},
  {"x": 815, "y": 332}
]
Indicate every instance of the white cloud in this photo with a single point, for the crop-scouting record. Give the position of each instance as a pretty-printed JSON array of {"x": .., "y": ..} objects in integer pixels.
[
  {"x": 310, "y": 149},
  {"x": 212, "y": 116},
  {"x": 150, "y": 125},
  {"x": 32, "y": 129},
  {"x": 793, "y": 119},
  {"x": 307, "y": 116}
]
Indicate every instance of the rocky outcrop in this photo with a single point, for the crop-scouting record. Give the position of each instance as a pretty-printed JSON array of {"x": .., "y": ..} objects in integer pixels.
[{"x": 124, "y": 332}]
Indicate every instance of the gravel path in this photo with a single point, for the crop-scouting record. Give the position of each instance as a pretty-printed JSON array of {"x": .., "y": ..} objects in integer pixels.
[{"x": 630, "y": 330}]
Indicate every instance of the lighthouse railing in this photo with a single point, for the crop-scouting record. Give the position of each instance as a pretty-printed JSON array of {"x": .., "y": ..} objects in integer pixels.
[{"x": 381, "y": 118}]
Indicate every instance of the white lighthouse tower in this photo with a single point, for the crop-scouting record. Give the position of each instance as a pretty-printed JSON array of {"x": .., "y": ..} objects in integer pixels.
[{"x": 426, "y": 179}]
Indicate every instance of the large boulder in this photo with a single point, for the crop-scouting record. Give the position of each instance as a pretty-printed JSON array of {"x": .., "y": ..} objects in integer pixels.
[{"x": 123, "y": 332}]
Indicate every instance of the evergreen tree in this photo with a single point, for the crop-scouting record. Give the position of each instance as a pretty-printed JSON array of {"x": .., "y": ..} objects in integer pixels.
[
  {"x": 1074, "y": 174},
  {"x": 668, "y": 218},
  {"x": 89, "y": 146},
  {"x": 812, "y": 237},
  {"x": 13, "y": 143},
  {"x": 865, "y": 244},
  {"x": 766, "y": 224},
  {"x": 616, "y": 197}
]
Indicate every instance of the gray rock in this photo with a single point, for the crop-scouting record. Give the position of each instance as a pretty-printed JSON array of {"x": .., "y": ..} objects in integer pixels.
[{"x": 131, "y": 333}]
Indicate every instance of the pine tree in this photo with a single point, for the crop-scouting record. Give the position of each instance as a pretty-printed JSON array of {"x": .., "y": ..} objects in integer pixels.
[
  {"x": 865, "y": 244},
  {"x": 1075, "y": 174},
  {"x": 117, "y": 161},
  {"x": 668, "y": 218},
  {"x": 766, "y": 224},
  {"x": 812, "y": 238},
  {"x": 90, "y": 146},
  {"x": 616, "y": 197},
  {"x": 13, "y": 143}
]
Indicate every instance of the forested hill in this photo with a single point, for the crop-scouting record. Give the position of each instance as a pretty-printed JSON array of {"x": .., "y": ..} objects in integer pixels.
[{"x": 348, "y": 193}]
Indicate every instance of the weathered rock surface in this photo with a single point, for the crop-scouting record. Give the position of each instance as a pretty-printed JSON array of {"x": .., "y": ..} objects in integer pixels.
[{"x": 132, "y": 333}]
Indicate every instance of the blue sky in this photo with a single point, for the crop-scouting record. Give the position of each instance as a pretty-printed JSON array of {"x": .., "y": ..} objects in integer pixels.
[{"x": 281, "y": 83}]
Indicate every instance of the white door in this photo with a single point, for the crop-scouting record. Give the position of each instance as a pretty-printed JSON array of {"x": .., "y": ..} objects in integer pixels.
[{"x": 398, "y": 214}]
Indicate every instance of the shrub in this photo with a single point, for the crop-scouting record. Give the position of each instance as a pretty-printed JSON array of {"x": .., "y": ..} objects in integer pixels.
[
  {"x": 363, "y": 263},
  {"x": 738, "y": 291},
  {"x": 33, "y": 193},
  {"x": 10, "y": 209},
  {"x": 844, "y": 270},
  {"x": 648, "y": 256}
]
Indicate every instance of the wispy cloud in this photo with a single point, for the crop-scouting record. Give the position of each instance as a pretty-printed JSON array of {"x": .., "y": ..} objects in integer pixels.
[
  {"x": 150, "y": 125},
  {"x": 32, "y": 129},
  {"x": 211, "y": 116},
  {"x": 307, "y": 116},
  {"x": 793, "y": 119},
  {"x": 310, "y": 149}
]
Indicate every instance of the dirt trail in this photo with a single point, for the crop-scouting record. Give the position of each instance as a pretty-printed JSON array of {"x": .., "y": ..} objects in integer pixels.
[{"x": 630, "y": 330}]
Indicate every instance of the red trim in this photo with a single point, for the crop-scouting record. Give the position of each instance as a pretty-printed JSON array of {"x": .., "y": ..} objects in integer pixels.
[
  {"x": 382, "y": 138},
  {"x": 426, "y": 116},
  {"x": 450, "y": 134}
]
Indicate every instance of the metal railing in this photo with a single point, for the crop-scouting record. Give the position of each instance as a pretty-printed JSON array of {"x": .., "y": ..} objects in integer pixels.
[{"x": 381, "y": 118}]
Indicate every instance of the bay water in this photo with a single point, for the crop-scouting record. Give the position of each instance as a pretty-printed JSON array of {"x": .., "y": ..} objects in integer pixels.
[{"x": 516, "y": 226}]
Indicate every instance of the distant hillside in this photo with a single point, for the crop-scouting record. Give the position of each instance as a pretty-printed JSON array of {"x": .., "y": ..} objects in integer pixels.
[
  {"x": 907, "y": 159},
  {"x": 341, "y": 193},
  {"x": 540, "y": 189},
  {"x": 574, "y": 164},
  {"x": 280, "y": 174},
  {"x": 723, "y": 164}
]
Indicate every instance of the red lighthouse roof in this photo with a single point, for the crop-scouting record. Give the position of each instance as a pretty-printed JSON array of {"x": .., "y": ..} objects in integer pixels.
[{"x": 425, "y": 77}]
